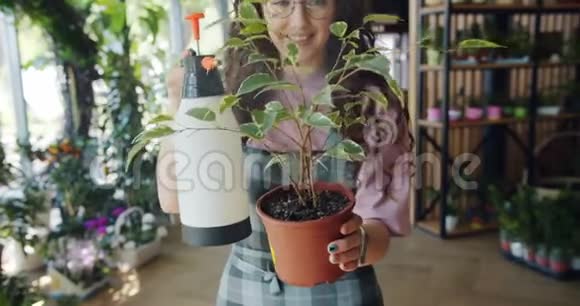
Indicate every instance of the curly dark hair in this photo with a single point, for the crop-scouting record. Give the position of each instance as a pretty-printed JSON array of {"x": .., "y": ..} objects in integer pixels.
[{"x": 351, "y": 12}]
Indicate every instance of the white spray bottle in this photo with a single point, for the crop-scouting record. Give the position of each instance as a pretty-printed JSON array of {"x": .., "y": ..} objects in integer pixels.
[{"x": 214, "y": 207}]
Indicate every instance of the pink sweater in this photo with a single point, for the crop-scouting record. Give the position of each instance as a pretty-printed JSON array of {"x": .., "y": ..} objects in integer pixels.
[{"x": 383, "y": 183}]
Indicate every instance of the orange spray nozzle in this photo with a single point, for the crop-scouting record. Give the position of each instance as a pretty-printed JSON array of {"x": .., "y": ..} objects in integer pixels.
[{"x": 194, "y": 19}]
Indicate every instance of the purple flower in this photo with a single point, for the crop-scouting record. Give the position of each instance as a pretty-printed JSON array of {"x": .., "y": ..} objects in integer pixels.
[
  {"x": 102, "y": 230},
  {"x": 91, "y": 224},
  {"x": 118, "y": 211},
  {"x": 102, "y": 221}
]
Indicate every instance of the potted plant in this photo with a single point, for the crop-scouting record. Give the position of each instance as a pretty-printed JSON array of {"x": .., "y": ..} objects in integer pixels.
[
  {"x": 16, "y": 291},
  {"x": 452, "y": 208},
  {"x": 474, "y": 109},
  {"x": 303, "y": 216},
  {"x": 76, "y": 262},
  {"x": 5, "y": 173},
  {"x": 519, "y": 44},
  {"x": 520, "y": 109},
  {"x": 550, "y": 102},
  {"x": 135, "y": 237},
  {"x": 494, "y": 111},
  {"x": 22, "y": 229},
  {"x": 575, "y": 264},
  {"x": 434, "y": 46},
  {"x": 434, "y": 113}
]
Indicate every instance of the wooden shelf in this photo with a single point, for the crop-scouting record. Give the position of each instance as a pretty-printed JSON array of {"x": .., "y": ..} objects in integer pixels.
[
  {"x": 503, "y": 8},
  {"x": 483, "y": 66},
  {"x": 503, "y": 121},
  {"x": 480, "y": 8},
  {"x": 562, "y": 8},
  {"x": 461, "y": 229}
]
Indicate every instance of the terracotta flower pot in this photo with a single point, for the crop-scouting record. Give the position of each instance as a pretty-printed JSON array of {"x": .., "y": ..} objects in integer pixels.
[{"x": 299, "y": 249}]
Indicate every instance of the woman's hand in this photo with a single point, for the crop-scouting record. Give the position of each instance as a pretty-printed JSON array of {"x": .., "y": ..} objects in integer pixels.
[{"x": 346, "y": 251}]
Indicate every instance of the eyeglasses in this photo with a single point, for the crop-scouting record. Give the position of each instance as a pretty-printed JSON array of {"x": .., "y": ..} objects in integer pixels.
[{"x": 318, "y": 9}]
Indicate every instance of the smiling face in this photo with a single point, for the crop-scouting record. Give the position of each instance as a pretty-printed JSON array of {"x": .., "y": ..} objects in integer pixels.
[{"x": 306, "y": 23}]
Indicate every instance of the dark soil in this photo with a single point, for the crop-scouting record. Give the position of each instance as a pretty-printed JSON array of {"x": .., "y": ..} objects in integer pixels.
[{"x": 285, "y": 205}]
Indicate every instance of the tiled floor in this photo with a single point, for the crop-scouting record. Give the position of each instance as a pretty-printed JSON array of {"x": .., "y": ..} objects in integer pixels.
[{"x": 420, "y": 270}]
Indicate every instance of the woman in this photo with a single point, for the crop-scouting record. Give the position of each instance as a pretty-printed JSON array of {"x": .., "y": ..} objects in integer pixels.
[{"x": 381, "y": 181}]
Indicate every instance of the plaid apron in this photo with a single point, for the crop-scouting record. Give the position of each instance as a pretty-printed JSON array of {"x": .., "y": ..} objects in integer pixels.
[{"x": 249, "y": 277}]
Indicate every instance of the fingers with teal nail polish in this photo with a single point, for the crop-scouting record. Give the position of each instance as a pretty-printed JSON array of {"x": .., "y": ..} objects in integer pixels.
[{"x": 332, "y": 248}]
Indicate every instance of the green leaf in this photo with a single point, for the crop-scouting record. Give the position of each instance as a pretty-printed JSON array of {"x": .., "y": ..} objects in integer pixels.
[
  {"x": 324, "y": 97},
  {"x": 235, "y": 42},
  {"x": 252, "y": 130},
  {"x": 396, "y": 89},
  {"x": 376, "y": 96},
  {"x": 352, "y": 147},
  {"x": 136, "y": 149},
  {"x": 382, "y": 18},
  {"x": 161, "y": 118},
  {"x": 378, "y": 64},
  {"x": 281, "y": 85},
  {"x": 228, "y": 102},
  {"x": 320, "y": 120},
  {"x": 256, "y": 37},
  {"x": 253, "y": 28},
  {"x": 274, "y": 106},
  {"x": 275, "y": 160},
  {"x": 339, "y": 28},
  {"x": 348, "y": 150},
  {"x": 154, "y": 133},
  {"x": 478, "y": 44},
  {"x": 293, "y": 53},
  {"x": 202, "y": 113},
  {"x": 257, "y": 58},
  {"x": 255, "y": 82},
  {"x": 248, "y": 11},
  {"x": 265, "y": 120}
]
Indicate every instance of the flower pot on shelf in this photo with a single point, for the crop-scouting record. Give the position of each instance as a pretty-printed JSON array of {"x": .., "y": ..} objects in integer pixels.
[
  {"x": 17, "y": 259},
  {"x": 451, "y": 223},
  {"x": 559, "y": 261},
  {"x": 299, "y": 248},
  {"x": 455, "y": 114},
  {"x": 505, "y": 241},
  {"x": 542, "y": 257},
  {"x": 517, "y": 249},
  {"x": 434, "y": 114},
  {"x": 520, "y": 112},
  {"x": 494, "y": 112},
  {"x": 474, "y": 113},
  {"x": 61, "y": 285},
  {"x": 575, "y": 264},
  {"x": 548, "y": 110},
  {"x": 434, "y": 57},
  {"x": 529, "y": 254}
]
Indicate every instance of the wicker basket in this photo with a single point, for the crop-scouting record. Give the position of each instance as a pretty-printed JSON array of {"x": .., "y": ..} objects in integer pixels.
[{"x": 128, "y": 259}]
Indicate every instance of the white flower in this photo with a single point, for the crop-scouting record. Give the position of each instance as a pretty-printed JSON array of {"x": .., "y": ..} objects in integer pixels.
[
  {"x": 29, "y": 250},
  {"x": 148, "y": 218},
  {"x": 110, "y": 229},
  {"x": 161, "y": 232},
  {"x": 130, "y": 245},
  {"x": 146, "y": 227},
  {"x": 122, "y": 239}
]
